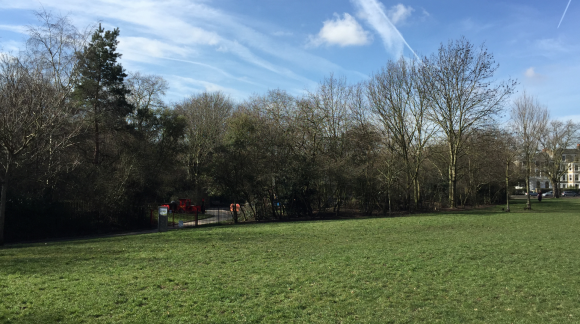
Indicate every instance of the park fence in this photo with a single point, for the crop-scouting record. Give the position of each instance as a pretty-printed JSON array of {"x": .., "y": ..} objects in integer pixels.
[
  {"x": 29, "y": 222},
  {"x": 212, "y": 216}
]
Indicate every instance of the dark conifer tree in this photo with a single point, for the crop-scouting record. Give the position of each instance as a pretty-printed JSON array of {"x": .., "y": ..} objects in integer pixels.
[{"x": 101, "y": 91}]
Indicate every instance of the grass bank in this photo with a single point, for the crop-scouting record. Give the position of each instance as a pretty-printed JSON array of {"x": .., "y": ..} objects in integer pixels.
[{"x": 478, "y": 266}]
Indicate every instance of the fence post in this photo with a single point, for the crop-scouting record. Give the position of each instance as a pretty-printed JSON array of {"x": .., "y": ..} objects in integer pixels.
[{"x": 196, "y": 218}]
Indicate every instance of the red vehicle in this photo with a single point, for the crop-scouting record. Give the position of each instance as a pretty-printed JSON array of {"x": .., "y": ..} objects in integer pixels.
[{"x": 184, "y": 206}]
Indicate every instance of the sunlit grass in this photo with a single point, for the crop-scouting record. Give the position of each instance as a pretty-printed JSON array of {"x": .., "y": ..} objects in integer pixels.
[{"x": 479, "y": 266}]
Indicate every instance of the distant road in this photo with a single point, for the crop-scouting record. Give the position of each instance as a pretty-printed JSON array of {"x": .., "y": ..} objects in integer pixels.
[{"x": 218, "y": 215}]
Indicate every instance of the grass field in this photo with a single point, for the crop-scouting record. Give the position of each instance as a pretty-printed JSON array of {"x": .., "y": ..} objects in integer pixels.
[{"x": 478, "y": 266}]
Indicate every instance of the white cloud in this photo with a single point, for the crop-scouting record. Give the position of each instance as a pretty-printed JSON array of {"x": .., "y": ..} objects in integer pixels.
[
  {"x": 16, "y": 28},
  {"x": 153, "y": 32},
  {"x": 141, "y": 48},
  {"x": 399, "y": 13},
  {"x": 534, "y": 77},
  {"x": 191, "y": 85},
  {"x": 11, "y": 47},
  {"x": 531, "y": 73},
  {"x": 282, "y": 33},
  {"x": 342, "y": 32},
  {"x": 375, "y": 15},
  {"x": 552, "y": 47}
]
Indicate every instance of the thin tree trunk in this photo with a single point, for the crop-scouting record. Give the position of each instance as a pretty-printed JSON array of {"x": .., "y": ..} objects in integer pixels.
[
  {"x": 3, "y": 203},
  {"x": 507, "y": 182},
  {"x": 452, "y": 185},
  {"x": 235, "y": 212},
  {"x": 416, "y": 192},
  {"x": 273, "y": 204},
  {"x": 529, "y": 204},
  {"x": 389, "y": 198},
  {"x": 97, "y": 146}
]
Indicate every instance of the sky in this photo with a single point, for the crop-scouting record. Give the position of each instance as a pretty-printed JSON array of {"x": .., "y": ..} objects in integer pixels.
[{"x": 244, "y": 47}]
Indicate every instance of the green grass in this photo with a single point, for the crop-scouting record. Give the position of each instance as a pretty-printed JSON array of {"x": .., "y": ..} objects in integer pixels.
[{"x": 479, "y": 266}]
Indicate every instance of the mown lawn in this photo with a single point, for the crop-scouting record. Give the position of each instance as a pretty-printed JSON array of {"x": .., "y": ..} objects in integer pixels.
[{"x": 480, "y": 266}]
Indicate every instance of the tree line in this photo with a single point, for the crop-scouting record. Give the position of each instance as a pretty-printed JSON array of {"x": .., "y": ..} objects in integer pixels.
[{"x": 76, "y": 129}]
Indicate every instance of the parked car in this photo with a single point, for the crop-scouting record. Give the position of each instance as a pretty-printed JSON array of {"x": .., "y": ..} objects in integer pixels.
[
  {"x": 548, "y": 194},
  {"x": 532, "y": 194},
  {"x": 569, "y": 194}
]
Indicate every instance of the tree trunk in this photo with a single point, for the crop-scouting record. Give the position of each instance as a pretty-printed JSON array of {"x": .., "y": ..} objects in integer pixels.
[
  {"x": 529, "y": 203},
  {"x": 416, "y": 192},
  {"x": 389, "y": 199},
  {"x": 452, "y": 183},
  {"x": 507, "y": 181},
  {"x": 555, "y": 188},
  {"x": 235, "y": 212},
  {"x": 97, "y": 146},
  {"x": 3, "y": 203},
  {"x": 273, "y": 204}
]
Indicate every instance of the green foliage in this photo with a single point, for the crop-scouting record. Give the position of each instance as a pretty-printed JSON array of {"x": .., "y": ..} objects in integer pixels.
[
  {"x": 100, "y": 91},
  {"x": 481, "y": 266},
  {"x": 101, "y": 78}
]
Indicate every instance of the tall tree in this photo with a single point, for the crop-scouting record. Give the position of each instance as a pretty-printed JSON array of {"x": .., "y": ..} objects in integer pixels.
[
  {"x": 398, "y": 98},
  {"x": 34, "y": 108},
  {"x": 34, "y": 117},
  {"x": 53, "y": 46},
  {"x": 330, "y": 107},
  {"x": 145, "y": 96},
  {"x": 101, "y": 90},
  {"x": 205, "y": 114},
  {"x": 558, "y": 137},
  {"x": 462, "y": 96},
  {"x": 529, "y": 120},
  {"x": 508, "y": 148}
]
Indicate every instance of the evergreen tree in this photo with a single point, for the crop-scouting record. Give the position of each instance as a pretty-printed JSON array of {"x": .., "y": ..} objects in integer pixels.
[{"x": 101, "y": 91}]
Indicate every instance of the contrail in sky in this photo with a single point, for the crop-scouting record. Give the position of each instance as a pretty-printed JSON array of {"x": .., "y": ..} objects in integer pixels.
[
  {"x": 564, "y": 12},
  {"x": 402, "y": 38},
  {"x": 379, "y": 20}
]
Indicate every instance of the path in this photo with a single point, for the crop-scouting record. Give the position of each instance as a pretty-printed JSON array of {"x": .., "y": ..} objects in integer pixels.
[{"x": 218, "y": 215}]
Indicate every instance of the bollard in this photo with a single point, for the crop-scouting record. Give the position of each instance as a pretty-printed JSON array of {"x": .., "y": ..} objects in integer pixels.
[
  {"x": 196, "y": 218},
  {"x": 162, "y": 219}
]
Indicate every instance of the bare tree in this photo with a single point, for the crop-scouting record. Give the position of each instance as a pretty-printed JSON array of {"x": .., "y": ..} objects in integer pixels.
[
  {"x": 55, "y": 44},
  {"x": 462, "y": 96},
  {"x": 529, "y": 120},
  {"x": 398, "y": 98},
  {"x": 277, "y": 133},
  {"x": 558, "y": 137},
  {"x": 34, "y": 118},
  {"x": 331, "y": 103},
  {"x": 145, "y": 97},
  {"x": 34, "y": 91},
  {"x": 509, "y": 153},
  {"x": 206, "y": 115}
]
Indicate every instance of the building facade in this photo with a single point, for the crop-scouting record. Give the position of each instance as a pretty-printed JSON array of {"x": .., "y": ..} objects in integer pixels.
[{"x": 570, "y": 166}]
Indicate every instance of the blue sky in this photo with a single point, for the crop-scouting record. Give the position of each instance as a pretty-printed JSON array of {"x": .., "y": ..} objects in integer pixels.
[{"x": 245, "y": 47}]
